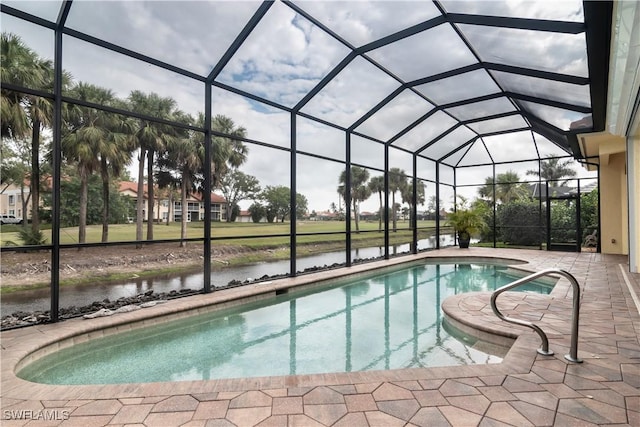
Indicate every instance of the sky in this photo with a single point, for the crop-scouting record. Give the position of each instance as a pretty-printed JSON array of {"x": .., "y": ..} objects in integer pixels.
[{"x": 286, "y": 56}]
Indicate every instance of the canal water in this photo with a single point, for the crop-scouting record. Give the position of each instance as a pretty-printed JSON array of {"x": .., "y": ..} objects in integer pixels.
[{"x": 81, "y": 295}]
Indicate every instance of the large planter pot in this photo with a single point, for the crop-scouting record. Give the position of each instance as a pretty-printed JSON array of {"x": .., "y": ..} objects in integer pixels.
[{"x": 463, "y": 240}]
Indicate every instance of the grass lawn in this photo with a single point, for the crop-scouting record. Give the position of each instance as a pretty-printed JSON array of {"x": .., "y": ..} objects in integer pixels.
[
  {"x": 233, "y": 230},
  {"x": 231, "y": 238}
]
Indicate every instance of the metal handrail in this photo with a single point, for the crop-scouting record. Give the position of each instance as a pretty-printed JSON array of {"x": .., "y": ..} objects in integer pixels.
[{"x": 544, "y": 349}]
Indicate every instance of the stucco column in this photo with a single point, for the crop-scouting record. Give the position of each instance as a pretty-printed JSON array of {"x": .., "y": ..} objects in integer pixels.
[
  {"x": 613, "y": 196},
  {"x": 633, "y": 184}
]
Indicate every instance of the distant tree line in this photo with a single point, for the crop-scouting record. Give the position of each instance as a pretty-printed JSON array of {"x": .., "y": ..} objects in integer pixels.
[
  {"x": 519, "y": 219},
  {"x": 362, "y": 188},
  {"x": 98, "y": 143}
]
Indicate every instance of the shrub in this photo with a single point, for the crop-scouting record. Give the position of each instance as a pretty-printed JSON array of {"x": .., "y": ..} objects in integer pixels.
[
  {"x": 589, "y": 212},
  {"x": 31, "y": 238},
  {"x": 257, "y": 212},
  {"x": 519, "y": 222}
]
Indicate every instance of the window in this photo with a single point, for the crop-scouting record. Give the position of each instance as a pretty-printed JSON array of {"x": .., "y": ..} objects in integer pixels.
[{"x": 12, "y": 200}]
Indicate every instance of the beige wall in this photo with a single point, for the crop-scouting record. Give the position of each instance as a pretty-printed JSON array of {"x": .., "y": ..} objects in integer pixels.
[
  {"x": 634, "y": 192},
  {"x": 613, "y": 204},
  {"x": 15, "y": 209}
]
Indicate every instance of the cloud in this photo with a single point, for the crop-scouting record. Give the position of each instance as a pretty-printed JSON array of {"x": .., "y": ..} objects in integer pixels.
[
  {"x": 565, "y": 10},
  {"x": 481, "y": 109},
  {"x": 558, "y": 117},
  {"x": 516, "y": 146},
  {"x": 91, "y": 64},
  {"x": 436, "y": 124},
  {"x": 286, "y": 56},
  {"x": 489, "y": 126},
  {"x": 349, "y": 96},
  {"x": 189, "y": 34},
  {"x": 262, "y": 122},
  {"x": 450, "y": 142},
  {"x": 424, "y": 54},
  {"x": 361, "y": 22},
  {"x": 460, "y": 87},
  {"x": 366, "y": 152},
  {"x": 316, "y": 138},
  {"x": 544, "y": 88},
  {"x": 39, "y": 39},
  {"x": 318, "y": 181},
  {"x": 46, "y": 9},
  {"x": 399, "y": 113},
  {"x": 555, "y": 52}
]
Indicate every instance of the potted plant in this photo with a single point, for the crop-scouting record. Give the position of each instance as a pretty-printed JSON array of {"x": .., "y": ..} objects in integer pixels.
[{"x": 466, "y": 220}]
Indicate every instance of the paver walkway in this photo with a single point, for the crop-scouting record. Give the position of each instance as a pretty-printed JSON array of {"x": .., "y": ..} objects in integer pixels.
[{"x": 526, "y": 389}]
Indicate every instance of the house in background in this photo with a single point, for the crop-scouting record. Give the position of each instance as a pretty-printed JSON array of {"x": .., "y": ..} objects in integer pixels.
[
  {"x": 11, "y": 197},
  {"x": 327, "y": 216},
  {"x": 540, "y": 191},
  {"x": 244, "y": 216},
  {"x": 218, "y": 208},
  {"x": 168, "y": 207}
]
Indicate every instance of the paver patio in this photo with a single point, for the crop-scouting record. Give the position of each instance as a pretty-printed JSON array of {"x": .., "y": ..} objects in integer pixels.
[{"x": 526, "y": 389}]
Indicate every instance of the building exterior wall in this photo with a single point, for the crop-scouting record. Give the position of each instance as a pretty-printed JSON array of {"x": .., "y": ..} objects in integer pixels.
[
  {"x": 633, "y": 168},
  {"x": 613, "y": 205},
  {"x": 11, "y": 202}
]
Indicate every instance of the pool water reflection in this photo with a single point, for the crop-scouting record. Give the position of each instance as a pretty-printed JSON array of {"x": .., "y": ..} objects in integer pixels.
[{"x": 385, "y": 321}]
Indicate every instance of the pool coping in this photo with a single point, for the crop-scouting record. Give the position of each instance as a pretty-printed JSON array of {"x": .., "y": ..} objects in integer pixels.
[{"x": 48, "y": 338}]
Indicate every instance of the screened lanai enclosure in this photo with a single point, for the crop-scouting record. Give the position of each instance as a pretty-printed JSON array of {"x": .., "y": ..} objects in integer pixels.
[{"x": 280, "y": 137}]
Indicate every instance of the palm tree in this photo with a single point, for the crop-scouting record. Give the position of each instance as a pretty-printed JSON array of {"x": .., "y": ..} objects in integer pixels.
[
  {"x": 184, "y": 154},
  {"x": 41, "y": 113},
  {"x": 486, "y": 191},
  {"x": 19, "y": 65},
  {"x": 78, "y": 146},
  {"x": 553, "y": 169},
  {"x": 91, "y": 140},
  {"x": 97, "y": 140},
  {"x": 432, "y": 206},
  {"x": 226, "y": 151},
  {"x": 397, "y": 182},
  {"x": 407, "y": 195},
  {"x": 376, "y": 185},
  {"x": 23, "y": 113},
  {"x": 507, "y": 187},
  {"x": 115, "y": 154},
  {"x": 359, "y": 189},
  {"x": 151, "y": 137}
]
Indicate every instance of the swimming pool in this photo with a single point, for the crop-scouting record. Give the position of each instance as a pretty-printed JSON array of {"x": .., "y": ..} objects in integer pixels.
[{"x": 385, "y": 320}]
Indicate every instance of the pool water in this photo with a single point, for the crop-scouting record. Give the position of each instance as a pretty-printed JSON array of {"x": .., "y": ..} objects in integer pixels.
[{"x": 385, "y": 321}]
